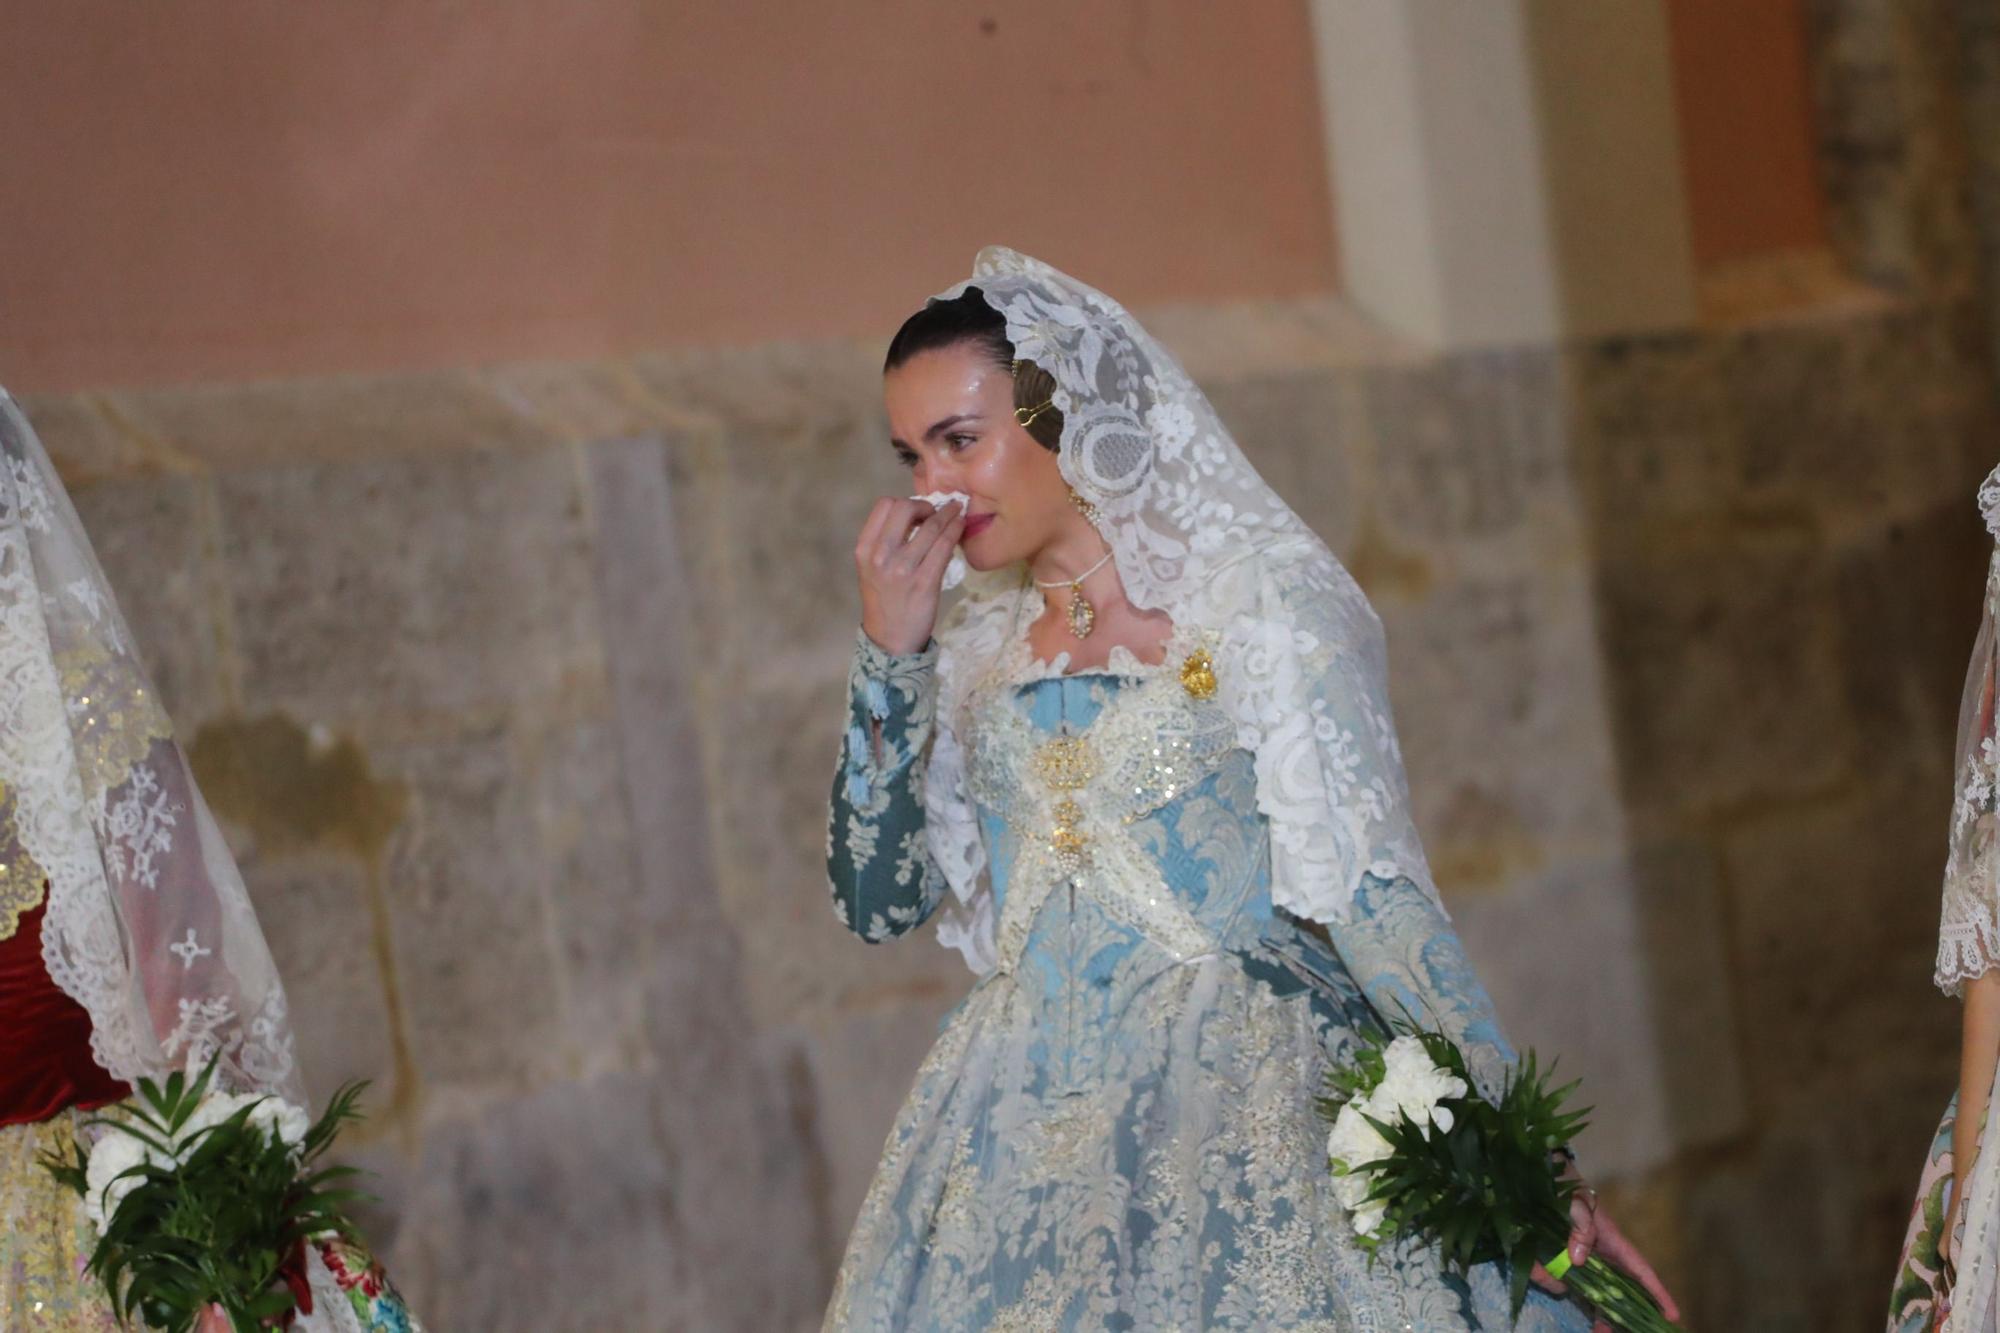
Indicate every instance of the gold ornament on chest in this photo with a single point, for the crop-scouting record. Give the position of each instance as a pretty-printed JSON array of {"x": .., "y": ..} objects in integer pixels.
[
  {"x": 1067, "y": 764},
  {"x": 1198, "y": 674}
]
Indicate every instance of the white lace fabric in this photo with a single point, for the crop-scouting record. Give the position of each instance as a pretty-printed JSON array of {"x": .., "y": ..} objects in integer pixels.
[
  {"x": 148, "y": 924},
  {"x": 1299, "y": 656},
  {"x": 1969, "y": 930},
  {"x": 1969, "y": 923}
]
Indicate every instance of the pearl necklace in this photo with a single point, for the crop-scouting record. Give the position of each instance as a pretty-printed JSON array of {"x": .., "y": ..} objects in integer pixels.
[{"x": 1082, "y": 615}]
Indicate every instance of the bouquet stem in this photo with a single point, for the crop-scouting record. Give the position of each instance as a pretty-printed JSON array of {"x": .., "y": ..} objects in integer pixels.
[{"x": 1618, "y": 1296}]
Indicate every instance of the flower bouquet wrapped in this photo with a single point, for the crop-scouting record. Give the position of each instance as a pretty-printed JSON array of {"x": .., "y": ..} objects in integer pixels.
[
  {"x": 1417, "y": 1154},
  {"x": 205, "y": 1198}
]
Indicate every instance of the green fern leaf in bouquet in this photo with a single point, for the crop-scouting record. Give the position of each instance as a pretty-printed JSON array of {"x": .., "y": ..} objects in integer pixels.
[{"x": 203, "y": 1198}]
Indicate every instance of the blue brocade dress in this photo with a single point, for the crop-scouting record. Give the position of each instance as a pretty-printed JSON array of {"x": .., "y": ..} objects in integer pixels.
[{"x": 1116, "y": 1127}]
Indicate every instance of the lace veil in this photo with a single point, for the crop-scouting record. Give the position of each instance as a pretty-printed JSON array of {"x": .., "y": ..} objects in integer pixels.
[
  {"x": 1969, "y": 930},
  {"x": 148, "y": 925},
  {"x": 1969, "y": 925},
  {"x": 1298, "y": 653}
]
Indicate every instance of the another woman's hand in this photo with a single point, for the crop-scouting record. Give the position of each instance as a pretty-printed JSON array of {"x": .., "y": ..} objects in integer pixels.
[
  {"x": 1593, "y": 1232},
  {"x": 213, "y": 1320},
  {"x": 901, "y": 558}
]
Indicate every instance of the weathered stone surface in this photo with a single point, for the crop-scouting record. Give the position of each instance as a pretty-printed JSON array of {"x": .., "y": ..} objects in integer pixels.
[
  {"x": 1726, "y": 687},
  {"x": 1835, "y": 911},
  {"x": 606, "y": 921},
  {"x": 283, "y": 423},
  {"x": 316, "y": 913},
  {"x": 1653, "y": 428},
  {"x": 569, "y": 1208},
  {"x": 583, "y": 402},
  {"x": 768, "y": 519},
  {"x": 1826, "y": 1192},
  {"x": 1681, "y": 956},
  {"x": 652, "y": 648},
  {"x": 1467, "y": 446},
  {"x": 863, "y": 1060},
  {"x": 1890, "y": 143},
  {"x": 154, "y": 534},
  {"x": 782, "y": 387},
  {"x": 1297, "y": 431},
  {"x": 87, "y": 443},
  {"x": 1499, "y": 705},
  {"x": 435, "y": 583},
  {"x": 1563, "y": 958},
  {"x": 1909, "y": 597},
  {"x": 777, "y": 750},
  {"x": 468, "y": 894}
]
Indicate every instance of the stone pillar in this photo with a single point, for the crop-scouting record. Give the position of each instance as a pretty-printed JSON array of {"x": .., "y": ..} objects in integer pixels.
[{"x": 1507, "y": 171}]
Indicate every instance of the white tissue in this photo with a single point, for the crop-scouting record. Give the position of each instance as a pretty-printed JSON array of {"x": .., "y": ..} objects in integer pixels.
[{"x": 954, "y": 573}]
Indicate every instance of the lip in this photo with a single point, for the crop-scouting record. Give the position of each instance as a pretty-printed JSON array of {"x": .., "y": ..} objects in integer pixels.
[{"x": 974, "y": 525}]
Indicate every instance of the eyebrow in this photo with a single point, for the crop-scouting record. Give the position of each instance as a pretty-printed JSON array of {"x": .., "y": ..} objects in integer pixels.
[{"x": 939, "y": 427}]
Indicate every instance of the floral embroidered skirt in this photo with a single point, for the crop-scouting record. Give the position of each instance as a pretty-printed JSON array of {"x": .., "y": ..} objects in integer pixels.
[
  {"x": 45, "y": 1241},
  {"x": 1166, "y": 1171},
  {"x": 1914, "y": 1303}
]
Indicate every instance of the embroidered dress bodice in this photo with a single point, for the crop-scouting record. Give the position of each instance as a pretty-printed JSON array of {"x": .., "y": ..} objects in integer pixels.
[{"x": 1113, "y": 805}]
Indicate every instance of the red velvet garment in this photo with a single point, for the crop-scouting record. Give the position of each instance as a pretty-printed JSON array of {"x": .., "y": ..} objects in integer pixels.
[{"x": 45, "y": 1060}]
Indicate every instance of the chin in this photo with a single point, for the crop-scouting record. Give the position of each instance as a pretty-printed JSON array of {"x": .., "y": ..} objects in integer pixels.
[
  {"x": 984, "y": 564},
  {"x": 985, "y": 555}
]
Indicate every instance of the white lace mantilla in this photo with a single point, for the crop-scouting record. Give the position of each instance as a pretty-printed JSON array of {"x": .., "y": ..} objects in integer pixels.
[
  {"x": 148, "y": 925},
  {"x": 1300, "y": 659},
  {"x": 1969, "y": 922}
]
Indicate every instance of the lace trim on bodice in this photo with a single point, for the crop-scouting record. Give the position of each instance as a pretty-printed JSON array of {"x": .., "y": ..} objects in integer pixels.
[
  {"x": 1022, "y": 667},
  {"x": 1072, "y": 795}
]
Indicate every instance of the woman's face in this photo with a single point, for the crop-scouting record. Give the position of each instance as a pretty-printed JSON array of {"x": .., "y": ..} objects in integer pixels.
[{"x": 951, "y": 420}]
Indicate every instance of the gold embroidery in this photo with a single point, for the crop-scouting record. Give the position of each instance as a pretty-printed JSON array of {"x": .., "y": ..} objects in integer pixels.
[
  {"x": 112, "y": 714},
  {"x": 1066, "y": 763},
  {"x": 1198, "y": 674},
  {"x": 22, "y": 880},
  {"x": 45, "y": 1239}
]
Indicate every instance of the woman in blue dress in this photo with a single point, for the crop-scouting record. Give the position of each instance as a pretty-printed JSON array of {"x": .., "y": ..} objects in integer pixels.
[{"x": 1144, "y": 769}]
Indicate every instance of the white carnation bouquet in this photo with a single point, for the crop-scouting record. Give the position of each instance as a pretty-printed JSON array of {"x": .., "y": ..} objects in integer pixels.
[
  {"x": 206, "y": 1198},
  {"x": 1417, "y": 1154}
]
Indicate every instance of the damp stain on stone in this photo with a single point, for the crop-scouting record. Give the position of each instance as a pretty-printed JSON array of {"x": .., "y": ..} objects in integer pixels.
[
  {"x": 295, "y": 792},
  {"x": 1483, "y": 843},
  {"x": 269, "y": 776},
  {"x": 1384, "y": 570}
]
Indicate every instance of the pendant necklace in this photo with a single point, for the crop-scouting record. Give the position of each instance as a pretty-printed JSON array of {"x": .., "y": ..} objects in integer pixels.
[{"x": 1082, "y": 615}]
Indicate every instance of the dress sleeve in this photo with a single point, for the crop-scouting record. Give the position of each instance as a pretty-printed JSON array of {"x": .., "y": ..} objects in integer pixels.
[
  {"x": 1408, "y": 961},
  {"x": 883, "y": 879}
]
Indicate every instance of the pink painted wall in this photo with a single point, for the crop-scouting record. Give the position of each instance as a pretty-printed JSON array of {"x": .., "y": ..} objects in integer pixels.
[
  {"x": 231, "y": 189},
  {"x": 1745, "y": 109}
]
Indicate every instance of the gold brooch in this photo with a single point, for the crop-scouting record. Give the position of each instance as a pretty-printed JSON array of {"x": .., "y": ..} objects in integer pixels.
[{"x": 1198, "y": 674}]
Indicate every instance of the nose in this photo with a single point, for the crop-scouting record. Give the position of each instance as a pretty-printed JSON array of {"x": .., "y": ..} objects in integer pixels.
[{"x": 936, "y": 474}]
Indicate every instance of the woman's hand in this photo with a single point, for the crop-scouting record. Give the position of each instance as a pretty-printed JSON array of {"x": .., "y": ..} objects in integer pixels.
[
  {"x": 212, "y": 1320},
  {"x": 901, "y": 558},
  {"x": 1592, "y": 1232}
]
